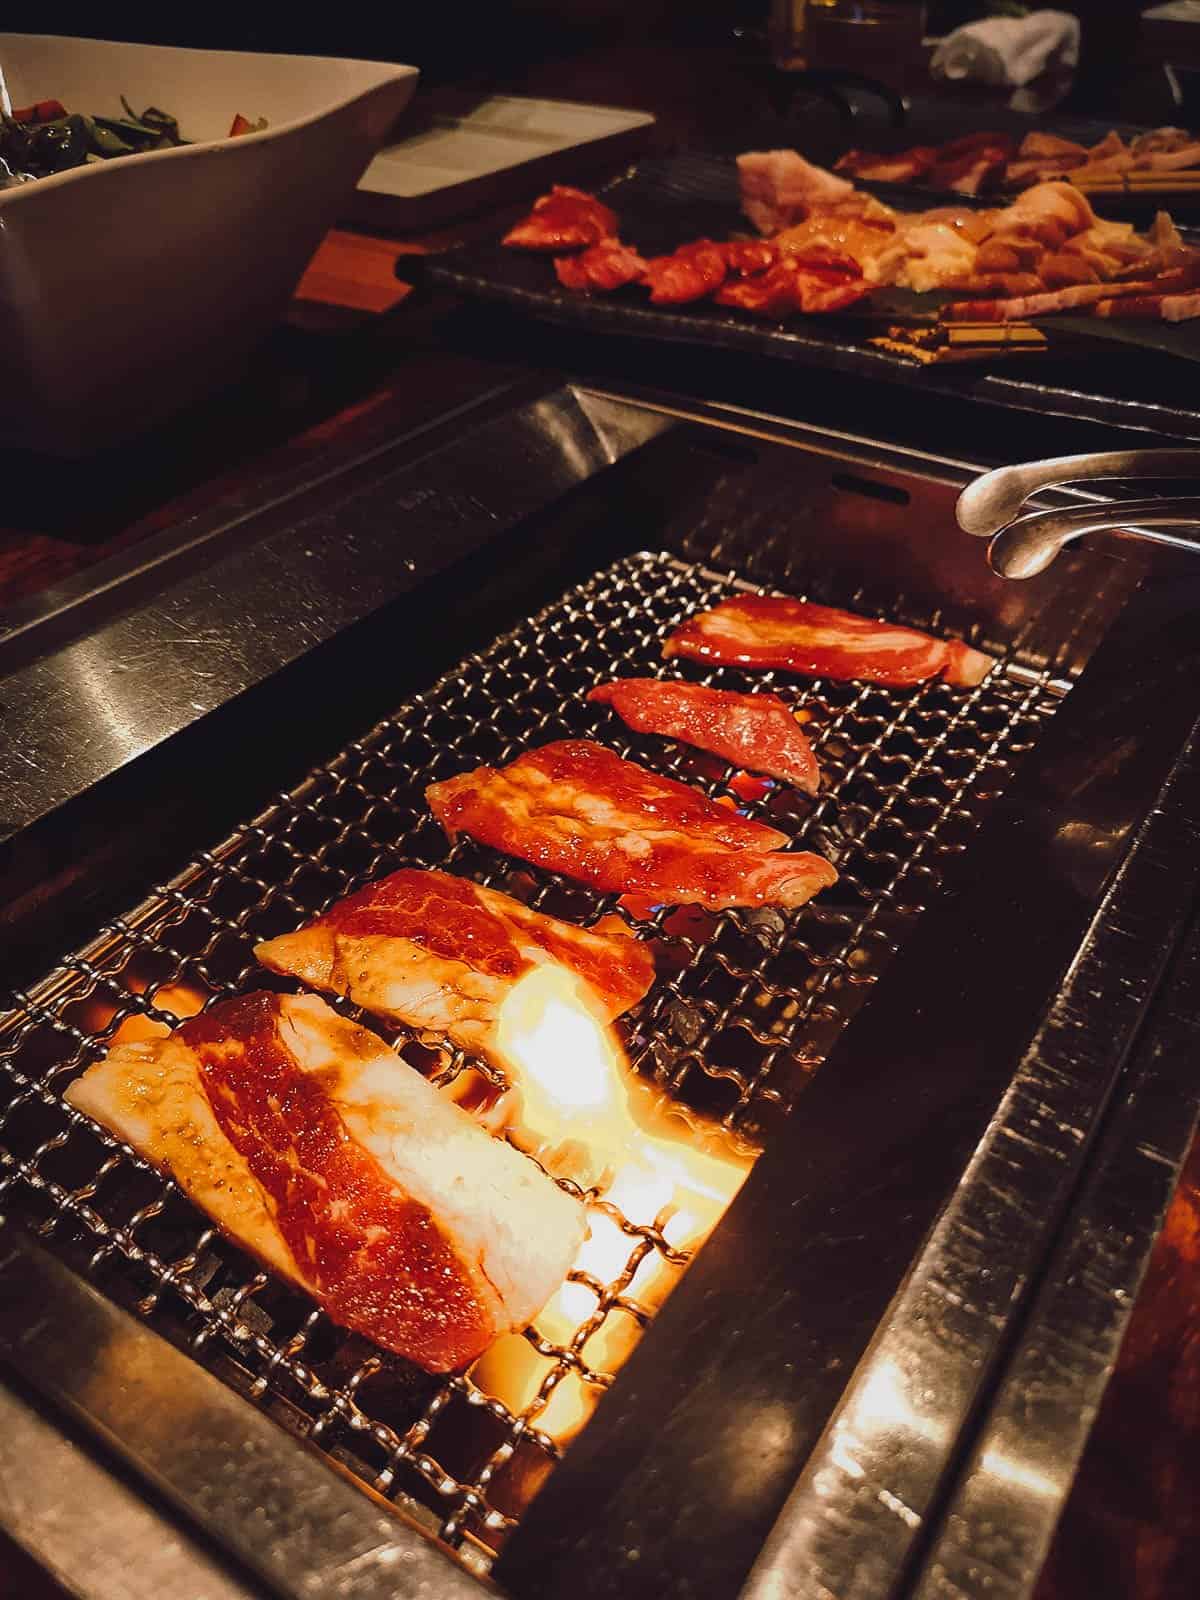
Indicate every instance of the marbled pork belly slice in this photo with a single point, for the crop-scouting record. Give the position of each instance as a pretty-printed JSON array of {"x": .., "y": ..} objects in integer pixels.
[
  {"x": 309, "y": 1143},
  {"x": 440, "y": 953},
  {"x": 778, "y": 632},
  {"x": 755, "y": 731},
  {"x": 576, "y": 808}
]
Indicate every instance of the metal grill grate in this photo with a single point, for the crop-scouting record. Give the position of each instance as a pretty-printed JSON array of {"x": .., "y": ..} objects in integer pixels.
[{"x": 747, "y": 1005}]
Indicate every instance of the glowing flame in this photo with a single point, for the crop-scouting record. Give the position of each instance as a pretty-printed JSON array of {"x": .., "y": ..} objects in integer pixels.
[
  {"x": 178, "y": 999},
  {"x": 578, "y": 1107},
  {"x": 569, "y": 1087}
]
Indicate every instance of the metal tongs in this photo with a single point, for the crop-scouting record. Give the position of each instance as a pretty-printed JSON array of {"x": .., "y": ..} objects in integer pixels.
[{"x": 1024, "y": 544}]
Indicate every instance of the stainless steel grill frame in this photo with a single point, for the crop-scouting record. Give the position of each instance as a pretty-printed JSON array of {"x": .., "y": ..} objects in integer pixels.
[
  {"x": 918, "y": 764},
  {"x": 749, "y": 1006}
]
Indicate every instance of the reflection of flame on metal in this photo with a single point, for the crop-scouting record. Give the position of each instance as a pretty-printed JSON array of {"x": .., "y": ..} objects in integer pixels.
[{"x": 657, "y": 1182}]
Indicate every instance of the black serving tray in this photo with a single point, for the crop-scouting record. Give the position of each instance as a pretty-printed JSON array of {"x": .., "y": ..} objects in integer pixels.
[
  {"x": 666, "y": 200},
  {"x": 825, "y": 143}
]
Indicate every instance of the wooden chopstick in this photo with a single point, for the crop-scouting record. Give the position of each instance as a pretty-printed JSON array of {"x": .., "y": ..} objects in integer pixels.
[
  {"x": 1139, "y": 182},
  {"x": 993, "y": 333},
  {"x": 961, "y": 341}
]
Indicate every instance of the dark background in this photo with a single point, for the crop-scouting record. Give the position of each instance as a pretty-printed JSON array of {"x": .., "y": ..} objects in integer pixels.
[
  {"x": 446, "y": 37},
  {"x": 456, "y": 38}
]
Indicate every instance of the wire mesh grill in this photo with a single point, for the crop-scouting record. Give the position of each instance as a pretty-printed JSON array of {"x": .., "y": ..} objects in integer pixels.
[{"x": 747, "y": 1005}]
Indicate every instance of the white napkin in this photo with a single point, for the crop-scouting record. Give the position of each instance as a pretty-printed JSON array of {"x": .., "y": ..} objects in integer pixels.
[{"x": 1009, "y": 51}]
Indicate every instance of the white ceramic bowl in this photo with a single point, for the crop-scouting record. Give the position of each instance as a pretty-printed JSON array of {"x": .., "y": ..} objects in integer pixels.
[{"x": 128, "y": 287}]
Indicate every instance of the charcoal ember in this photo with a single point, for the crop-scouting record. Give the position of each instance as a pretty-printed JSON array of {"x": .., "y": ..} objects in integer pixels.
[
  {"x": 662, "y": 1059},
  {"x": 834, "y": 838},
  {"x": 248, "y": 1313},
  {"x": 685, "y": 1020},
  {"x": 208, "y": 1264},
  {"x": 389, "y": 1388},
  {"x": 767, "y": 926}
]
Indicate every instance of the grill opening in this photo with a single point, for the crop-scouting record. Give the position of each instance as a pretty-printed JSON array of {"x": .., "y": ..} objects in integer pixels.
[{"x": 746, "y": 1006}]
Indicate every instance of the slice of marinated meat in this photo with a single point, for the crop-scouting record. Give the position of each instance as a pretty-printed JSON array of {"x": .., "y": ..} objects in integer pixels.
[
  {"x": 1078, "y": 297},
  {"x": 1108, "y": 159},
  {"x": 1160, "y": 141},
  {"x": 602, "y": 267},
  {"x": 1020, "y": 308},
  {"x": 970, "y": 144},
  {"x": 935, "y": 254},
  {"x": 1019, "y": 174},
  {"x": 779, "y": 188},
  {"x": 745, "y": 257},
  {"x": 1168, "y": 250},
  {"x": 564, "y": 219},
  {"x": 1180, "y": 307},
  {"x": 576, "y": 808},
  {"x": 970, "y": 165},
  {"x": 313, "y": 1146},
  {"x": 1040, "y": 145},
  {"x": 996, "y": 255},
  {"x": 973, "y": 223},
  {"x": 1165, "y": 150},
  {"x": 1049, "y": 212},
  {"x": 1059, "y": 269},
  {"x": 1150, "y": 307},
  {"x": 1111, "y": 248},
  {"x": 973, "y": 175},
  {"x": 797, "y": 284},
  {"x": 1172, "y": 160},
  {"x": 1042, "y": 156},
  {"x": 998, "y": 283},
  {"x": 869, "y": 241},
  {"x": 755, "y": 731},
  {"x": 903, "y": 166},
  {"x": 440, "y": 954},
  {"x": 690, "y": 273},
  {"x": 775, "y": 631}
]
